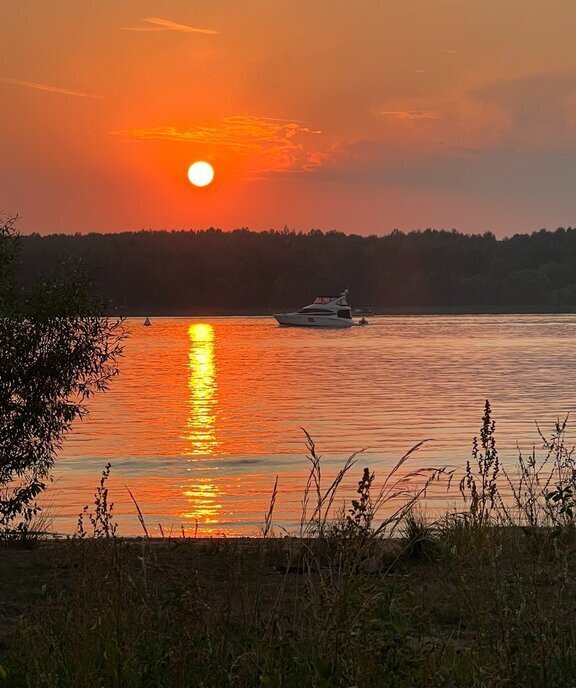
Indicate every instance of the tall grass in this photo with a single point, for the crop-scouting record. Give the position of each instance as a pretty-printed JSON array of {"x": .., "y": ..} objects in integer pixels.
[
  {"x": 367, "y": 594},
  {"x": 544, "y": 488}
]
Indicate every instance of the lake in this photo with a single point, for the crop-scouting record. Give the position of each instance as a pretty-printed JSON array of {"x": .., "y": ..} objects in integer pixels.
[{"x": 207, "y": 411}]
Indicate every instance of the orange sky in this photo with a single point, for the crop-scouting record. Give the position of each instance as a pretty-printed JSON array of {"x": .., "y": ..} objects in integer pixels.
[{"x": 357, "y": 115}]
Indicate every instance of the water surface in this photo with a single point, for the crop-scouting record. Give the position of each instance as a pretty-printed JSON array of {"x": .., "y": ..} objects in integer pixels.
[{"x": 207, "y": 411}]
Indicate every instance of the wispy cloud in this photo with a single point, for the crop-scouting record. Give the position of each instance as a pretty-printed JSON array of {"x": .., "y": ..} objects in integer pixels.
[
  {"x": 159, "y": 24},
  {"x": 269, "y": 145},
  {"x": 237, "y": 131},
  {"x": 49, "y": 88},
  {"x": 409, "y": 115}
]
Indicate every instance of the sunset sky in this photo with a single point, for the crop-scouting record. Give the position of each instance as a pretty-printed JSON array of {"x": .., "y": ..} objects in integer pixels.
[{"x": 356, "y": 115}]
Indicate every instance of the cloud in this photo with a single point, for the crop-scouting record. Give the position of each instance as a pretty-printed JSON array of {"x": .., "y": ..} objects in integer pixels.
[
  {"x": 167, "y": 25},
  {"x": 49, "y": 88},
  {"x": 235, "y": 132},
  {"x": 410, "y": 114},
  {"x": 500, "y": 173},
  {"x": 515, "y": 136},
  {"x": 539, "y": 109},
  {"x": 267, "y": 144}
]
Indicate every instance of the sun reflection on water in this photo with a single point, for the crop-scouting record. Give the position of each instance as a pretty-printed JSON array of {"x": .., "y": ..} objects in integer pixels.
[
  {"x": 201, "y": 424},
  {"x": 204, "y": 502}
]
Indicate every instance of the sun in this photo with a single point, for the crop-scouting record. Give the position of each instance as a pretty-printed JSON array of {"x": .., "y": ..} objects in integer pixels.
[{"x": 200, "y": 173}]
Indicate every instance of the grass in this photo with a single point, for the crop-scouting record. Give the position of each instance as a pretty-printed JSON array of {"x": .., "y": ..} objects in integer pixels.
[{"x": 374, "y": 595}]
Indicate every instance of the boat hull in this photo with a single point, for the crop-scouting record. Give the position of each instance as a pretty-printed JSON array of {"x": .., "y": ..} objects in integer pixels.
[{"x": 303, "y": 320}]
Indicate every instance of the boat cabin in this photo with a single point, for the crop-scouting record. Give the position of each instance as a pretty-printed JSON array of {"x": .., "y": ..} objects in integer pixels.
[
  {"x": 330, "y": 303},
  {"x": 326, "y": 311}
]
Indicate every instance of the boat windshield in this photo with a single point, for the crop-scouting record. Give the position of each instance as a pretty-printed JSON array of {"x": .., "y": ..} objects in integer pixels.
[{"x": 338, "y": 300}]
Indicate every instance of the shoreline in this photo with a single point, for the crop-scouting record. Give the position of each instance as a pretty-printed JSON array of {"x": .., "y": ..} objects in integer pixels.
[{"x": 430, "y": 606}]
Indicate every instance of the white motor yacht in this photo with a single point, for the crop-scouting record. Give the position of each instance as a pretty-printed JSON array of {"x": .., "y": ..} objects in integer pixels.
[{"x": 326, "y": 311}]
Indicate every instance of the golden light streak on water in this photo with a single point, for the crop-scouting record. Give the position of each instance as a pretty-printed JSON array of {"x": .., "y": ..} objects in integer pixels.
[
  {"x": 201, "y": 424},
  {"x": 204, "y": 505}
]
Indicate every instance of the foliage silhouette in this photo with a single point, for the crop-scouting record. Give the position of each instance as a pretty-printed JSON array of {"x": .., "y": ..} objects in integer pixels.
[{"x": 56, "y": 351}]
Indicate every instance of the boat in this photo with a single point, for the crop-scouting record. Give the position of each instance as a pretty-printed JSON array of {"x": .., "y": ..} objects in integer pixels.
[
  {"x": 326, "y": 311},
  {"x": 147, "y": 322}
]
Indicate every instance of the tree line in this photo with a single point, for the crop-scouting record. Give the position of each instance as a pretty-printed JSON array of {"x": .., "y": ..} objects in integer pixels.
[{"x": 212, "y": 271}]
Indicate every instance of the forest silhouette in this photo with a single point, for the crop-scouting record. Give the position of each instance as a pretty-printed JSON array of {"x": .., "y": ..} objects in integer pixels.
[{"x": 213, "y": 271}]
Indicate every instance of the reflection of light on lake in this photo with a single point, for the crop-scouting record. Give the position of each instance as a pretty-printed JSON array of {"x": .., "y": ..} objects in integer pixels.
[
  {"x": 204, "y": 506},
  {"x": 200, "y": 428}
]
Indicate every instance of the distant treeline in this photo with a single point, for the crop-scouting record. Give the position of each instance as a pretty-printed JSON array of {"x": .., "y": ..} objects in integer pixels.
[{"x": 211, "y": 271}]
